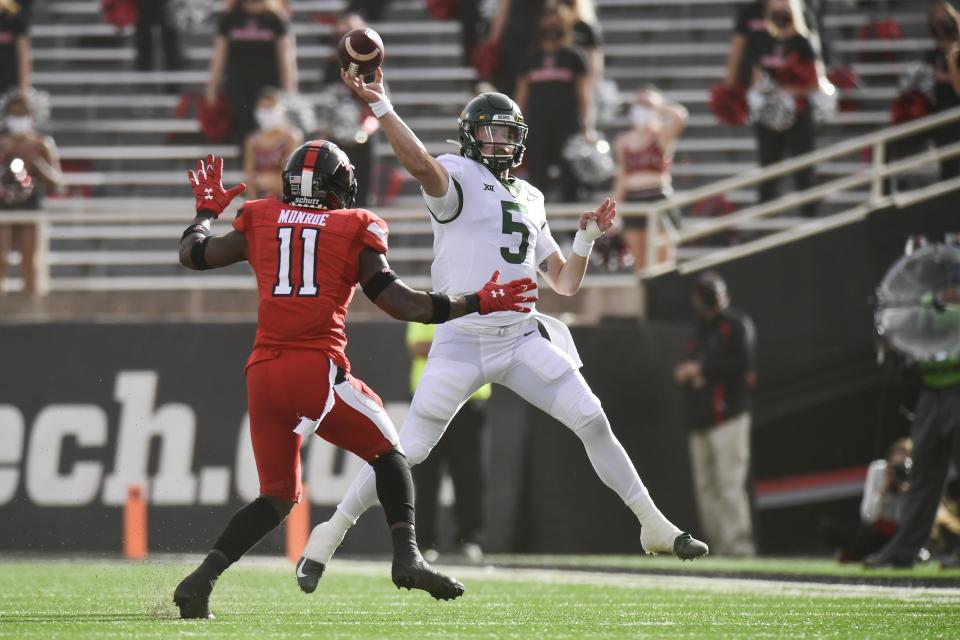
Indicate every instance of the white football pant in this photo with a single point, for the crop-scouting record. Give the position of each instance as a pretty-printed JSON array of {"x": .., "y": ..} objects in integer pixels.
[{"x": 537, "y": 370}]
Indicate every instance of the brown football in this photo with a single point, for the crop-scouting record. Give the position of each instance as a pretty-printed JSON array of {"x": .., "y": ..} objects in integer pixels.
[{"x": 360, "y": 52}]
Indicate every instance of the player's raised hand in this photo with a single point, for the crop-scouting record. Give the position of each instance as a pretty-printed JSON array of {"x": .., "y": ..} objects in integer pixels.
[
  {"x": 368, "y": 91},
  {"x": 207, "y": 183},
  {"x": 506, "y": 296},
  {"x": 602, "y": 219}
]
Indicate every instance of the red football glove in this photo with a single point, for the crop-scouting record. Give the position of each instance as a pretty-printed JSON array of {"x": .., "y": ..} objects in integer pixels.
[
  {"x": 507, "y": 296},
  {"x": 208, "y": 189}
]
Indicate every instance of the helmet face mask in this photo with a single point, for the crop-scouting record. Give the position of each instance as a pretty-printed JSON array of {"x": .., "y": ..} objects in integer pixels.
[
  {"x": 319, "y": 175},
  {"x": 492, "y": 132}
]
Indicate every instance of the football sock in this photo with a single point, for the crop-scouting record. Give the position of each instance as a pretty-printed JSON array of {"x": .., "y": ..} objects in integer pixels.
[
  {"x": 610, "y": 461},
  {"x": 394, "y": 487},
  {"x": 613, "y": 466},
  {"x": 246, "y": 528},
  {"x": 213, "y": 565},
  {"x": 404, "y": 538},
  {"x": 360, "y": 496},
  {"x": 326, "y": 537}
]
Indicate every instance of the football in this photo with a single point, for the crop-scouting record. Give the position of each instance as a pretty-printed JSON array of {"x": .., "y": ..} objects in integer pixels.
[{"x": 360, "y": 52}]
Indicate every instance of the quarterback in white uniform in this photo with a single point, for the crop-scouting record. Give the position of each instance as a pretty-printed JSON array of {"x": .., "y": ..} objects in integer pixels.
[{"x": 485, "y": 220}]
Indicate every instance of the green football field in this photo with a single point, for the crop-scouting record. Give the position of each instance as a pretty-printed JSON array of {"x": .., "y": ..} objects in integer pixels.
[{"x": 259, "y": 599}]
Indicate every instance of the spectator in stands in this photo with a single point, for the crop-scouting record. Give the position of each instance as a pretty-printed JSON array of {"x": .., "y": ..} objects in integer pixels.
[
  {"x": 229, "y": 5},
  {"x": 370, "y": 10},
  {"x": 267, "y": 149},
  {"x": 155, "y": 16},
  {"x": 252, "y": 50},
  {"x": 460, "y": 452},
  {"x": 24, "y": 183},
  {"x": 644, "y": 157},
  {"x": 356, "y": 143},
  {"x": 26, "y": 9},
  {"x": 783, "y": 54},
  {"x": 513, "y": 25},
  {"x": 471, "y": 22},
  {"x": 751, "y": 21},
  {"x": 944, "y": 22},
  {"x": 718, "y": 375},
  {"x": 15, "y": 58},
  {"x": 587, "y": 36},
  {"x": 553, "y": 91}
]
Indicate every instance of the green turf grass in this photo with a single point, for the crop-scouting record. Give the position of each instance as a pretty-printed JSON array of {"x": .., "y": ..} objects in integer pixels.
[
  {"x": 796, "y": 566},
  {"x": 254, "y": 600}
]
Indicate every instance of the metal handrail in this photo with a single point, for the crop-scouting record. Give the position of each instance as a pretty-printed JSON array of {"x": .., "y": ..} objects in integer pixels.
[
  {"x": 790, "y": 165},
  {"x": 872, "y": 176},
  {"x": 108, "y": 210}
]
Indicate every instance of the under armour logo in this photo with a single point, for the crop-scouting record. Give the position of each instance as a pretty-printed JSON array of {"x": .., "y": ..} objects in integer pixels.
[
  {"x": 487, "y": 187},
  {"x": 208, "y": 194},
  {"x": 497, "y": 293}
]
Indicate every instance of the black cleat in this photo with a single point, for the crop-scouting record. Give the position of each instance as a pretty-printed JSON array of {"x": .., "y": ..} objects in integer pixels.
[
  {"x": 192, "y": 596},
  {"x": 417, "y": 574},
  {"x": 309, "y": 573},
  {"x": 686, "y": 547}
]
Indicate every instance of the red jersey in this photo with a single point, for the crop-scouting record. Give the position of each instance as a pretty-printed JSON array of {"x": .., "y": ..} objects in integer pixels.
[
  {"x": 307, "y": 265},
  {"x": 647, "y": 159}
]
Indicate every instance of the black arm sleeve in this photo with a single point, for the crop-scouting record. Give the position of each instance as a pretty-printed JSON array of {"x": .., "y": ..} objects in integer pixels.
[{"x": 375, "y": 285}]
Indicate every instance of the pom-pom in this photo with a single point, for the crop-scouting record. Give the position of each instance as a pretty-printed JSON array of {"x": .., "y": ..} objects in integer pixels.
[{"x": 729, "y": 105}]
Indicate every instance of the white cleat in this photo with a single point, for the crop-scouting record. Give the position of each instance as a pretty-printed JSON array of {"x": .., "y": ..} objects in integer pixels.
[{"x": 658, "y": 538}]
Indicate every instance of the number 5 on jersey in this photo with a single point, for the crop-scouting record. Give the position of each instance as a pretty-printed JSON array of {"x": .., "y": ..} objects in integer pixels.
[
  {"x": 510, "y": 226},
  {"x": 308, "y": 262}
]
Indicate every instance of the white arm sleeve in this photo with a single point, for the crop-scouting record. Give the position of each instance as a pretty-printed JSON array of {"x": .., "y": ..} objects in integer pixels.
[
  {"x": 546, "y": 245},
  {"x": 872, "y": 503},
  {"x": 448, "y": 206}
]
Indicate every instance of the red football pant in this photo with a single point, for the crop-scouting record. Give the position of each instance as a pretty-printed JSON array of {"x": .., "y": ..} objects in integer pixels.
[{"x": 295, "y": 384}]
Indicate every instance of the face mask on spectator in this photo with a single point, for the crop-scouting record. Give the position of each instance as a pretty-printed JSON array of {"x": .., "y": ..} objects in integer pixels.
[
  {"x": 19, "y": 124},
  {"x": 641, "y": 115},
  {"x": 269, "y": 118},
  {"x": 781, "y": 19}
]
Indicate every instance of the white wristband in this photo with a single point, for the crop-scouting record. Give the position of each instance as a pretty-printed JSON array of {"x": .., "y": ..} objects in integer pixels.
[
  {"x": 381, "y": 107},
  {"x": 581, "y": 245}
]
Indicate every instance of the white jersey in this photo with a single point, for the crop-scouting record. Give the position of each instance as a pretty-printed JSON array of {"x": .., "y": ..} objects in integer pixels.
[{"x": 483, "y": 225}]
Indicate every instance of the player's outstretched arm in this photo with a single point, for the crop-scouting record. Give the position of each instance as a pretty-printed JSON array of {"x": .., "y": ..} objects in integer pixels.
[
  {"x": 566, "y": 275},
  {"x": 431, "y": 175},
  {"x": 199, "y": 248},
  {"x": 399, "y": 301}
]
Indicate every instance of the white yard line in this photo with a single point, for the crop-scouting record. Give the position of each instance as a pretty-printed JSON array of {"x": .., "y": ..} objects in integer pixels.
[
  {"x": 560, "y": 576},
  {"x": 692, "y": 583}
]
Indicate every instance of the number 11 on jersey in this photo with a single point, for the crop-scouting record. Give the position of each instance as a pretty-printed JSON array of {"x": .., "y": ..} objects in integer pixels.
[{"x": 308, "y": 277}]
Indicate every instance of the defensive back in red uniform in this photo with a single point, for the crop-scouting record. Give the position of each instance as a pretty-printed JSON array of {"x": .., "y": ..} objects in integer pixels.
[{"x": 306, "y": 263}]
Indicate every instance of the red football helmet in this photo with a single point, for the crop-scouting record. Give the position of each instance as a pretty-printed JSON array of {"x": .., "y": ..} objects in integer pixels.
[{"x": 319, "y": 175}]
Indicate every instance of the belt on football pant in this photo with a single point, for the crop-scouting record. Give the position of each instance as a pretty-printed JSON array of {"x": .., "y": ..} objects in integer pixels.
[{"x": 508, "y": 330}]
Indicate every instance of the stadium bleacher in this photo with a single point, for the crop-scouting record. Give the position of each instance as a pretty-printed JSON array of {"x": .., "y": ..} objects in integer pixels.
[
  {"x": 679, "y": 46},
  {"x": 119, "y": 136}
]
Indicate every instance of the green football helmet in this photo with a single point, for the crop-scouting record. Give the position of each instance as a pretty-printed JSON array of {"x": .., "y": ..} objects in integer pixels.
[{"x": 496, "y": 111}]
